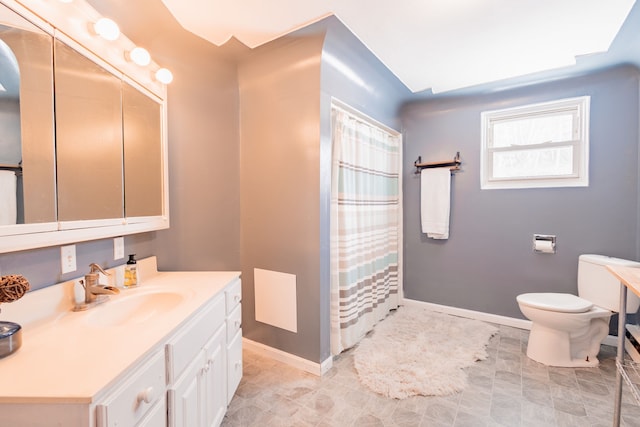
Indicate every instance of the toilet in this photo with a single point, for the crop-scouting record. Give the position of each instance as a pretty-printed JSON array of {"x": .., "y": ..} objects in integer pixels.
[{"x": 567, "y": 330}]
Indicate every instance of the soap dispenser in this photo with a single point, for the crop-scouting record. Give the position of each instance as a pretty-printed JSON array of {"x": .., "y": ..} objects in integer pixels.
[{"x": 131, "y": 272}]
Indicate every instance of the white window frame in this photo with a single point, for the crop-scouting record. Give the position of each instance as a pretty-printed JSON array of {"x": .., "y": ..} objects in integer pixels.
[{"x": 579, "y": 106}]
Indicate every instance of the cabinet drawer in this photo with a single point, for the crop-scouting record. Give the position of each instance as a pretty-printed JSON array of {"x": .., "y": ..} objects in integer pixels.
[
  {"x": 234, "y": 365},
  {"x": 233, "y": 295},
  {"x": 128, "y": 404},
  {"x": 157, "y": 416},
  {"x": 234, "y": 322},
  {"x": 184, "y": 346}
]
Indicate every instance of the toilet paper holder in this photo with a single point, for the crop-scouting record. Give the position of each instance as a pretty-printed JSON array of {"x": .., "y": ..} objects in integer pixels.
[{"x": 544, "y": 243}]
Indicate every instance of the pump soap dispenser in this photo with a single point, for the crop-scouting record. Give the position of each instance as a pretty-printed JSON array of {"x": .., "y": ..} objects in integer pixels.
[{"x": 131, "y": 272}]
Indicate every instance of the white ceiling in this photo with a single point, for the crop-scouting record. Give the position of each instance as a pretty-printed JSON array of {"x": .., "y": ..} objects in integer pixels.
[{"x": 440, "y": 45}]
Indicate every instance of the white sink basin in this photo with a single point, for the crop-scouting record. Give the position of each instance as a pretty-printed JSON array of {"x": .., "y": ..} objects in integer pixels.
[{"x": 134, "y": 308}]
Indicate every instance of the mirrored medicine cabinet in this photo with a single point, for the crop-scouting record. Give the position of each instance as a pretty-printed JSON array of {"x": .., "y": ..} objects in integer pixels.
[{"x": 82, "y": 144}]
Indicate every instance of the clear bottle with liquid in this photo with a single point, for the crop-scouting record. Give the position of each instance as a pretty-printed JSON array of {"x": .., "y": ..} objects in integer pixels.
[{"x": 131, "y": 272}]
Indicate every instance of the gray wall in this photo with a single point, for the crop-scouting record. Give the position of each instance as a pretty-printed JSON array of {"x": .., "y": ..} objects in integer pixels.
[
  {"x": 279, "y": 127},
  {"x": 42, "y": 266},
  {"x": 352, "y": 74},
  {"x": 488, "y": 259}
]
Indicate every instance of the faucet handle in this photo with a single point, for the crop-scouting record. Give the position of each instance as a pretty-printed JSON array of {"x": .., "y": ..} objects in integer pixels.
[{"x": 95, "y": 268}]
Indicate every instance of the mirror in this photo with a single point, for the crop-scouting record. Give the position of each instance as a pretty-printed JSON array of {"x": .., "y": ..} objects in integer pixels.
[
  {"x": 26, "y": 122},
  {"x": 88, "y": 138},
  {"x": 88, "y": 161},
  {"x": 143, "y": 166}
]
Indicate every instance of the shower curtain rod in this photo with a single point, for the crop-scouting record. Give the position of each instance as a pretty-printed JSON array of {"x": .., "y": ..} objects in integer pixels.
[{"x": 453, "y": 165}]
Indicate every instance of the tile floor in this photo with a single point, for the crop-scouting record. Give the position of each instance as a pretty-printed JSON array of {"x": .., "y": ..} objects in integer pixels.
[{"x": 507, "y": 389}]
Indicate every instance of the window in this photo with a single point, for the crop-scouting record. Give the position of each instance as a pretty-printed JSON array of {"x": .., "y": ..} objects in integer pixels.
[{"x": 539, "y": 145}]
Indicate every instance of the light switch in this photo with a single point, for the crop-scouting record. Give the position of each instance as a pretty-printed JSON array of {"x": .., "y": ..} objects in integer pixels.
[
  {"x": 68, "y": 258},
  {"x": 118, "y": 248}
]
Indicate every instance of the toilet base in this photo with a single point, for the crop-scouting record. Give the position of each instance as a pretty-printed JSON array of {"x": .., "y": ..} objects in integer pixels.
[{"x": 553, "y": 348}]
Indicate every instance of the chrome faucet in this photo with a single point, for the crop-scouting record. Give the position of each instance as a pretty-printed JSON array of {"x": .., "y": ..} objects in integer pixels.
[{"x": 94, "y": 293}]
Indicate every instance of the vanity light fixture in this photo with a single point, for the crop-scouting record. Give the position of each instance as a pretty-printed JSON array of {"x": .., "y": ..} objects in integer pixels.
[
  {"x": 140, "y": 56},
  {"x": 164, "y": 76},
  {"x": 107, "y": 29}
]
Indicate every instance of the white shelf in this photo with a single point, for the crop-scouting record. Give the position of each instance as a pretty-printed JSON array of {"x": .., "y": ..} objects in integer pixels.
[
  {"x": 630, "y": 372},
  {"x": 625, "y": 369}
]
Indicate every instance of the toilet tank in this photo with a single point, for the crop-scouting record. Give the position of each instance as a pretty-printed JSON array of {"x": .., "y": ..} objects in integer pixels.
[{"x": 598, "y": 285}]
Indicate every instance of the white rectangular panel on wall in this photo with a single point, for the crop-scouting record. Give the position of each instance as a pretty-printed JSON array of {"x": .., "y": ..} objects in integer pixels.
[{"x": 275, "y": 299}]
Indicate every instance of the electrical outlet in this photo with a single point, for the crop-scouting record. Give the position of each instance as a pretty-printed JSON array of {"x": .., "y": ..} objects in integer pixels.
[
  {"x": 118, "y": 248},
  {"x": 68, "y": 258}
]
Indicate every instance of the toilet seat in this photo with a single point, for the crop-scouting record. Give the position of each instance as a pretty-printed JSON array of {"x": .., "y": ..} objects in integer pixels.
[{"x": 562, "y": 303}]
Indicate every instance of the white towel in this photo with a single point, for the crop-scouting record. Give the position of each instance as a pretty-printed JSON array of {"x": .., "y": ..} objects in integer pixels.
[
  {"x": 435, "y": 198},
  {"x": 8, "y": 208}
]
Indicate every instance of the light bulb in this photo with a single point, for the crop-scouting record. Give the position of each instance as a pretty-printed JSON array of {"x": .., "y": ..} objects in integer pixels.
[
  {"x": 140, "y": 56},
  {"x": 107, "y": 29},
  {"x": 164, "y": 76},
  {"x": 66, "y": 1}
]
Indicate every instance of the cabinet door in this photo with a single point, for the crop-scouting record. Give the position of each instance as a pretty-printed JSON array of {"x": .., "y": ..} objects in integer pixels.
[
  {"x": 215, "y": 379},
  {"x": 184, "y": 396}
]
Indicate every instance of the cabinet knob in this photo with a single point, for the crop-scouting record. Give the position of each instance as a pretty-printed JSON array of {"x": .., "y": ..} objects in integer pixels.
[{"x": 146, "y": 395}]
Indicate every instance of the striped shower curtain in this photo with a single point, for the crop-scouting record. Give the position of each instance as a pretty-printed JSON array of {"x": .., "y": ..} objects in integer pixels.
[{"x": 365, "y": 226}]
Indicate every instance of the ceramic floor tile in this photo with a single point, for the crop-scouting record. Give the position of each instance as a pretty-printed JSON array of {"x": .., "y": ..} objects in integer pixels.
[
  {"x": 596, "y": 390},
  {"x": 540, "y": 396},
  {"x": 507, "y": 389},
  {"x": 368, "y": 421},
  {"x": 566, "y": 393},
  {"x": 534, "y": 414},
  {"x": 470, "y": 419}
]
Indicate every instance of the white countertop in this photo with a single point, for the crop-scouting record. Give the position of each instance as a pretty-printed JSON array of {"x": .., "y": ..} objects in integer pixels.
[{"x": 66, "y": 359}]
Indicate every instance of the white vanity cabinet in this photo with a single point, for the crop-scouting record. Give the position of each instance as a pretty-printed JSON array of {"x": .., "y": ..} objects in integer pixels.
[
  {"x": 180, "y": 366},
  {"x": 204, "y": 363}
]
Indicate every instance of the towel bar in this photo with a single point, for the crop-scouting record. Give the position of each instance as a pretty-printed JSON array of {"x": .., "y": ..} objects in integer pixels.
[
  {"x": 16, "y": 168},
  {"x": 453, "y": 165}
]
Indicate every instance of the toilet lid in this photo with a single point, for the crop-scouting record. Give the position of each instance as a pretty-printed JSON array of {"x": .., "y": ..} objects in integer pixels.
[{"x": 565, "y": 303}]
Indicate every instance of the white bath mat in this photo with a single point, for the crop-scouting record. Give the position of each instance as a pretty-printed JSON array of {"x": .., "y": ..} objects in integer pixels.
[{"x": 419, "y": 352}]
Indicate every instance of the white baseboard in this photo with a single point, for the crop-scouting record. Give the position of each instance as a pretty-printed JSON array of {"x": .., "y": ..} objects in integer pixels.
[
  {"x": 318, "y": 369},
  {"x": 611, "y": 340},
  {"x": 471, "y": 314},
  {"x": 486, "y": 317}
]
